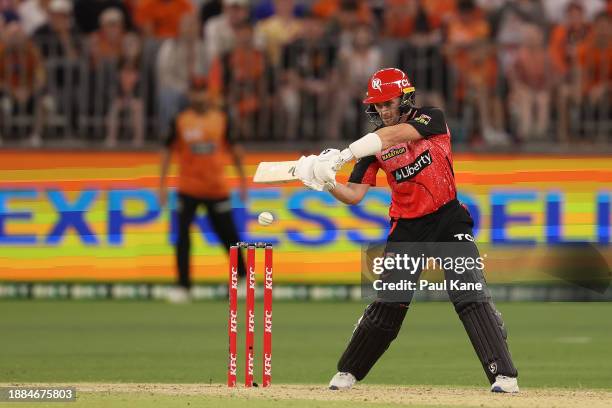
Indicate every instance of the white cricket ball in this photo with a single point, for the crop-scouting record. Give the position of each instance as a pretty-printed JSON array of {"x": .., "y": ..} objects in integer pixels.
[{"x": 265, "y": 218}]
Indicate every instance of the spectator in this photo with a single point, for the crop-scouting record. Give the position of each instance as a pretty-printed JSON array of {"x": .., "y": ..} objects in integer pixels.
[
  {"x": 420, "y": 56},
  {"x": 595, "y": 58},
  {"x": 438, "y": 12},
  {"x": 564, "y": 42},
  {"x": 60, "y": 45},
  {"x": 33, "y": 14},
  {"x": 327, "y": 9},
  {"x": 347, "y": 16},
  {"x": 531, "y": 85},
  {"x": 474, "y": 71},
  {"x": 244, "y": 73},
  {"x": 219, "y": 31},
  {"x": 210, "y": 8},
  {"x": 87, "y": 13},
  {"x": 178, "y": 62},
  {"x": 106, "y": 43},
  {"x": 58, "y": 38},
  {"x": 309, "y": 81},
  {"x": 477, "y": 92},
  {"x": 468, "y": 26},
  {"x": 399, "y": 18},
  {"x": 275, "y": 32},
  {"x": 489, "y": 6},
  {"x": 508, "y": 29},
  {"x": 555, "y": 9},
  {"x": 22, "y": 80},
  {"x": 128, "y": 97},
  {"x": 8, "y": 6},
  {"x": 161, "y": 19},
  {"x": 566, "y": 37},
  {"x": 356, "y": 64},
  {"x": 6, "y": 17}
]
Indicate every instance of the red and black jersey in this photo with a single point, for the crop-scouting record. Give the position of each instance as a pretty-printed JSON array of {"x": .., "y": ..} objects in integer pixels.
[{"x": 420, "y": 173}]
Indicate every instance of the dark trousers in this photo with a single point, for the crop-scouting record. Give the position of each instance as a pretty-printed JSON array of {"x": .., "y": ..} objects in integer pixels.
[{"x": 220, "y": 216}]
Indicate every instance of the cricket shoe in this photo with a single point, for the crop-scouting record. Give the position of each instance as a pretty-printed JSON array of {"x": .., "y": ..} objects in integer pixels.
[
  {"x": 342, "y": 381},
  {"x": 505, "y": 384}
]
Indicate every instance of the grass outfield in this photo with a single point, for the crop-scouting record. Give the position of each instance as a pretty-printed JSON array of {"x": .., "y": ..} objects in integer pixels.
[{"x": 559, "y": 345}]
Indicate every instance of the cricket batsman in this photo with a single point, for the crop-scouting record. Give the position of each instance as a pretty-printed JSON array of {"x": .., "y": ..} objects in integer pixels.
[
  {"x": 412, "y": 145},
  {"x": 198, "y": 136}
]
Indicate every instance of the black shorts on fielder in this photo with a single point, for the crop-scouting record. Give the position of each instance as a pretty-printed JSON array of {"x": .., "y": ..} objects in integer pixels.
[{"x": 220, "y": 216}]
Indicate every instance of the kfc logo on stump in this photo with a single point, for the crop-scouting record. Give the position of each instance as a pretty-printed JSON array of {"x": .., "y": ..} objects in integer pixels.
[
  {"x": 232, "y": 364},
  {"x": 267, "y": 364}
]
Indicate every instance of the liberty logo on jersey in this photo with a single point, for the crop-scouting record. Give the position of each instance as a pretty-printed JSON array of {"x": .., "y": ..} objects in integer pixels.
[{"x": 407, "y": 172}]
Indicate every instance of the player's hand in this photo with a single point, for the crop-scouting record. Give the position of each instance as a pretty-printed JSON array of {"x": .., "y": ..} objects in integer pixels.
[
  {"x": 326, "y": 166},
  {"x": 162, "y": 196},
  {"x": 304, "y": 170}
]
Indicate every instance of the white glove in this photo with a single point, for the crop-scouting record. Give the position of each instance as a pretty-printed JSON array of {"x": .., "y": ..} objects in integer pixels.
[
  {"x": 304, "y": 170},
  {"x": 325, "y": 168}
]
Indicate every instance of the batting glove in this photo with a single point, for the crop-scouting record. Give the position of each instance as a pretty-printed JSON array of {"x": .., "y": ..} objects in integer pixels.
[
  {"x": 325, "y": 168},
  {"x": 304, "y": 171}
]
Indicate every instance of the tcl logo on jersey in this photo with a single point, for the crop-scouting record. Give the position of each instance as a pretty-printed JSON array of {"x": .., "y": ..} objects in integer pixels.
[
  {"x": 407, "y": 172},
  {"x": 461, "y": 237},
  {"x": 392, "y": 153}
]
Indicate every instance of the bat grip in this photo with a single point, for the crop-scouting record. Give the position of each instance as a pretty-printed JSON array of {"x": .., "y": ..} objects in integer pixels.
[{"x": 345, "y": 156}]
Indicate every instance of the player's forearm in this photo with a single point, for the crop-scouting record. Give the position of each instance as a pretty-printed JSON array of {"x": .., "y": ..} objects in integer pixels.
[
  {"x": 400, "y": 133},
  {"x": 237, "y": 153},
  {"x": 164, "y": 168},
  {"x": 344, "y": 194}
]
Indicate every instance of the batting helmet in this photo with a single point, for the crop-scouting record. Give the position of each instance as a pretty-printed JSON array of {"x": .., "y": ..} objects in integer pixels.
[{"x": 386, "y": 84}]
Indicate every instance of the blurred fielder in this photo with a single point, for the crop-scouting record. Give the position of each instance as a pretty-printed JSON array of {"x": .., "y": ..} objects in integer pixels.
[
  {"x": 412, "y": 145},
  {"x": 198, "y": 135}
]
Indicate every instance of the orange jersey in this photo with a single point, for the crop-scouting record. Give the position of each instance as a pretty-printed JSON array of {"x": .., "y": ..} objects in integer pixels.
[
  {"x": 200, "y": 141},
  {"x": 162, "y": 16}
]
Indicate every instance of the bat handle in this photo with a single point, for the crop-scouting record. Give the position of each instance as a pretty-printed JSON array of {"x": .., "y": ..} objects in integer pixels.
[{"x": 345, "y": 156}]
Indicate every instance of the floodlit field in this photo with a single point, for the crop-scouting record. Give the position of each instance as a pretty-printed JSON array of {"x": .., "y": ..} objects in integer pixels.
[{"x": 149, "y": 349}]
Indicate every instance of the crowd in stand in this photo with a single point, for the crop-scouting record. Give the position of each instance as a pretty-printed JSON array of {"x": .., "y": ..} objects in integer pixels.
[{"x": 111, "y": 71}]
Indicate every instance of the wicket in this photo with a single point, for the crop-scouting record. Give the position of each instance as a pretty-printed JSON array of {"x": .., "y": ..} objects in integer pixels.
[{"x": 250, "y": 315}]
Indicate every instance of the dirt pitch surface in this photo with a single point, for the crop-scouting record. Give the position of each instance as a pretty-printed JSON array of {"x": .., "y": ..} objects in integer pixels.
[{"x": 376, "y": 394}]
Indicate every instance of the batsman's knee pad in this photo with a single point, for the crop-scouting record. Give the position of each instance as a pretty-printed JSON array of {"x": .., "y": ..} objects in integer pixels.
[
  {"x": 374, "y": 332},
  {"x": 485, "y": 328}
]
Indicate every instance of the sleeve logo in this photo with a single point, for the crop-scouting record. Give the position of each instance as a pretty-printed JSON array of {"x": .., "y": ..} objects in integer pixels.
[{"x": 423, "y": 119}]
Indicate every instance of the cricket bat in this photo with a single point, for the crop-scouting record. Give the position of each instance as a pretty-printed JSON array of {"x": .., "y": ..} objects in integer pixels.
[
  {"x": 275, "y": 172},
  {"x": 282, "y": 172}
]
